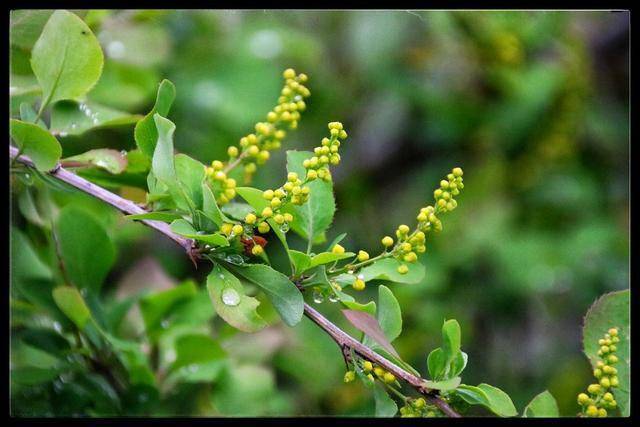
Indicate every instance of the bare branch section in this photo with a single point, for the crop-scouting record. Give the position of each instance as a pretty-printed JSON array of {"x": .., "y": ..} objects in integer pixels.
[{"x": 346, "y": 342}]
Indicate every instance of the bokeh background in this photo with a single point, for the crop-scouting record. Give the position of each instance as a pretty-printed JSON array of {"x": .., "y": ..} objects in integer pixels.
[{"x": 532, "y": 105}]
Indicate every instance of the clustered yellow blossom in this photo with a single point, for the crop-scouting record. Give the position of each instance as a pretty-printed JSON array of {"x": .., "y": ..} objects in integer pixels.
[
  {"x": 410, "y": 244},
  {"x": 254, "y": 149},
  {"x": 327, "y": 153},
  {"x": 599, "y": 398},
  {"x": 223, "y": 186}
]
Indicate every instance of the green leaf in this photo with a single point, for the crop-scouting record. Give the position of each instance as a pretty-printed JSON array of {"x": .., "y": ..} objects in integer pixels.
[
  {"x": 210, "y": 207},
  {"x": 385, "y": 406},
  {"x": 25, "y": 263},
  {"x": 134, "y": 360},
  {"x": 543, "y": 405},
  {"x": 489, "y": 396},
  {"x": 46, "y": 340},
  {"x": 85, "y": 248},
  {"x": 313, "y": 218},
  {"x": 243, "y": 315},
  {"x": 196, "y": 349},
  {"x": 328, "y": 257},
  {"x": 155, "y": 216},
  {"x": 66, "y": 59},
  {"x": 72, "y": 305},
  {"x": 449, "y": 384},
  {"x": 76, "y": 118},
  {"x": 190, "y": 173},
  {"x": 112, "y": 161},
  {"x": 436, "y": 363},
  {"x": 450, "y": 340},
  {"x": 389, "y": 315},
  {"x": 284, "y": 295},
  {"x": 182, "y": 227},
  {"x": 611, "y": 311},
  {"x": 369, "y": 307},
  {"x": 37, "y": 143},
  {"x": 301, "y": 261},
  {"x": 237, "y": 210},
  {"x": 146, "y": 133},
  {"x": 156, "y": 308},
  {"x": 387, "y": 269}
]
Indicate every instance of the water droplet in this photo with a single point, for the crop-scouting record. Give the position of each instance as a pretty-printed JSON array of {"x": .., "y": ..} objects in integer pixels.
[
  {"x": 361, "y": 276},
  {"x": 123, "y": 152},
  {"x": 82, "y": 106},
  {"x": 333, "y": 297},
  {"x": 284, "y": 227},
  {"x": 297, "y": 98},
  {"x": 164, "y": 324},
  {"x": 349, "y": 271},
  {"x": 57, "y": 326},
  {"x": 318, "y": 298},
  {"x": 193, "y": 368},
  {"x": 230, "y": 297},
  {"x": 116, "y": 49},
  {"x": 221, "y": 276},
  {"x": 235, "y": 259}
]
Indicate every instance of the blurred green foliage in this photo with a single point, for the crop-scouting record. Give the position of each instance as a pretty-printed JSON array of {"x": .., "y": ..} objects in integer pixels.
[{"x": 532, "y": 105}]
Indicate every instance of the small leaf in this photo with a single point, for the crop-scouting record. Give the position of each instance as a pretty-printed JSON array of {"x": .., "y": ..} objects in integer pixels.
[
  {"x": 499, "y": 401},
  {"x": 328, "y": 257},
  {"x": 387, "y": 269},
  {"x": 301, "y": 261},
  {"x": 210, "y": 207},
  {"x": 196, "y": 350},
  {"x": 543, "y": 405},
  {"x": 26, "y": 26},
  {"x": 369, "y": 307},
  {"x": 183, "y": 228},
  {"x": 67, "y": 58},
  {"x": 242, "y": 315},
  {"x": 389, "y": 315},
  {"x": 111, "y": 160},
  {"x": 385, "y": 406},
  {"x": 37, "y": 143},
  {"x": 29, "y": 115},
  {"x": 146, "y": 133},
  {"x": 284, "y": 295},
  {"x": 436, "y": 363},
  {"x": 611, "y": 311},
  {"x": 339, "y": 238},
  {"x": 237, "y": 210},
  {"x": 190, "y": 173},
  {"x": 85, "y": 248},
  {"x": 445, "y": 385},
  {"x": 450, "y": 340},
  {"x": 370, "y": 326},
  {"x": 71, "y": 303},
  {"x": 76, "y": 118}
]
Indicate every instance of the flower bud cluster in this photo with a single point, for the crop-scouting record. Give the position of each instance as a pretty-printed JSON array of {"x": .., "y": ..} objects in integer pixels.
[
  {"x": 415, "y": 408},
  {"x": 223, "y": 186},
  {"x": 293, "y": 191},
  {"x": 410, "y": 244},
  {"x": 254, "y": 149},
  {"x": 599, "y": 398},
  {"x": 326, "y": 154}
]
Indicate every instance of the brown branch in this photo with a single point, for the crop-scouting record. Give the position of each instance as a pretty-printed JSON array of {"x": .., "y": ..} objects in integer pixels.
[{"x": 344, "y": 340}]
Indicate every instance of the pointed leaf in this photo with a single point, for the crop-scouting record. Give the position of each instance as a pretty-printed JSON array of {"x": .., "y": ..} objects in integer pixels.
[
  {"x": 111, "y": 160},
  {"x": 385, "y": 406},
  {"x": 146, "y": 133},
  {"x": 387, "y": 269},
  {"x": 370, "y": 326},
  {"x": 389, "y": 315},
  {"x": 69, "y": 300},
  {"x": 183, "y": 228},
  {"x": 76, "y": 118}
]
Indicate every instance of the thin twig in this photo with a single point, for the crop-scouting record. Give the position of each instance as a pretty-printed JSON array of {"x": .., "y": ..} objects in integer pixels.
[{"x": 344, "y": 340}]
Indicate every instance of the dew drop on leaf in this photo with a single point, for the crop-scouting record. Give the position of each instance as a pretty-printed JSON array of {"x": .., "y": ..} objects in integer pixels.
[
  {"x": 333, "y": 297},
  {"x": 318, "y": 298},
  {"x": 230, "y": 297},
  {"x": 235, "y": 259},
  {"x": 284, "y": 227}
]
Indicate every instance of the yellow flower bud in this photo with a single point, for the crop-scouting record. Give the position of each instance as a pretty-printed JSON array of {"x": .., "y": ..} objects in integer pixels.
[
  {"x": 226, "y": 228},
  {"x": 263, "y": 227},
  {"x": 257, "y": 250},
  {"x": 378, "y": 371},
  {"x": 289, "y": 73},
  {"x": 250, "y": 218},
  {"x": 389, "y": 377},
  {"x": 593, "y": 388},
  {"x": 337, "y": 249},
  {"x": 362, "y": 256},
  {"x": 237, "y": 229},
  {"x": 613, "y": 332},
  {"x": 230, "y": 183},
  {"x": 592, "y": 411},
  {"x": 267, "y": 212},
  {"x": 403, "y": 269},
  {"x": 288, "y": 217},
  {"x": 367, "y": 366},
  {"x": 411, "y": 257},
  {"x": 387, "y": 241},
  {"x": 268, "y": 194},
  {"x": 604, "y": 382},
  {"x": 312, "y": 174},
  {"x": 583, "y": 399},
  {"x": 457, "y": 172},
  {"x": 359, "y": 285},
  {"x": 349, "y": 376},
  {"x": 279, "y": 219},
  {"x": 275, "y": 202}
]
